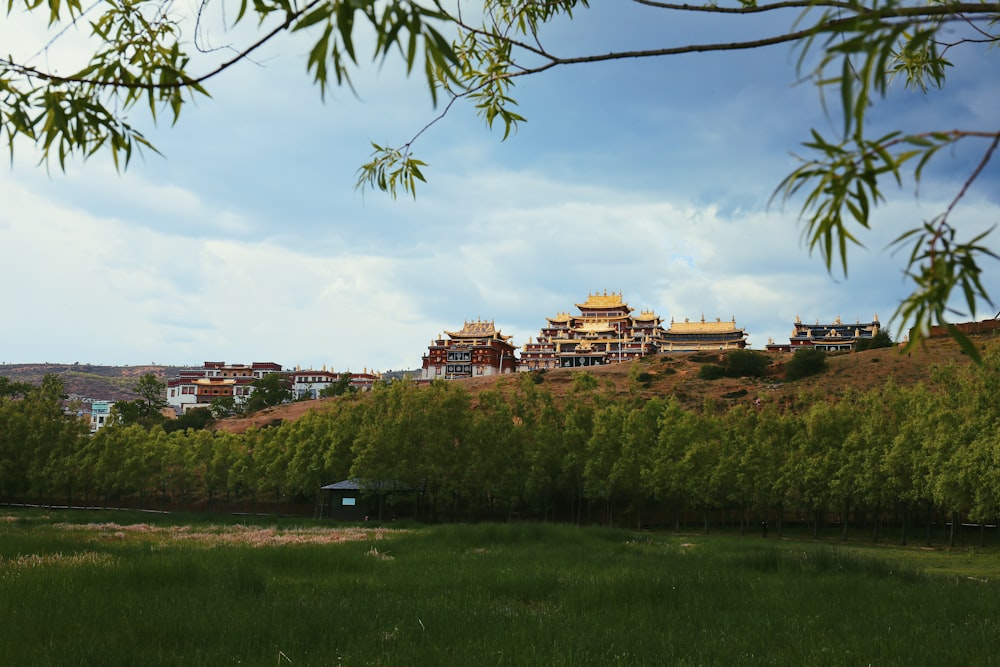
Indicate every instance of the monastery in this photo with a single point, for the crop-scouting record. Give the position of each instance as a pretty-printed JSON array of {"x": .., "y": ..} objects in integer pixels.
[
  {"x": 604, "y": 332},
  {"x": 699, "y": 336},
  {"x": 831, "y": 337},
  {"x": 478, "y": 349}
]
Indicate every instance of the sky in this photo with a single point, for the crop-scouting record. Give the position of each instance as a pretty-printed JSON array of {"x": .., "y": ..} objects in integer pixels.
[{"x": 245, "y": 240}]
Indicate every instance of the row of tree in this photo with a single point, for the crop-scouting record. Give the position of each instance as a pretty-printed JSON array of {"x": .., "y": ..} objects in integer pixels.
[{"x": 907, "y": 456}]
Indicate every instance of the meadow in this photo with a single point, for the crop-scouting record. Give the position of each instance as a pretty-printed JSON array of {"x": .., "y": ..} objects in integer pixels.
[{"x": 124, "y": 588}]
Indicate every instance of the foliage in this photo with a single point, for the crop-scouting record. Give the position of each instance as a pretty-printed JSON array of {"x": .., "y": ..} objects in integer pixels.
[
  {"x": 805, "y": 361},
  {"x": 271, "y": 389},
  {"x": 224, "y": 406},
  {"x": 737, "y": 364},
  {"x": 896, "y": 456},
  {"x": 196, "y": 418},
  {"x": 12, "y": 389},
  {"x": 711, "y": 371},
  {"x": 152, "y": 391},
  {"x": 746, "y": 363},
  {"x": 144, "y": 410},
  {"x": 339, "y": 388},
  {"x": 879, "y": 340}
]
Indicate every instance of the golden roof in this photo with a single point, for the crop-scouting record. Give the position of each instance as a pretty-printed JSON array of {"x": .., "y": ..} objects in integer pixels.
[
  {"x": 478, "y": 329},
  {"x": 604, "y": 300},
  {"x": 561, "y": 317},
  {"x": 215, "y": 380},
  {"x": 718, "y": 326}
]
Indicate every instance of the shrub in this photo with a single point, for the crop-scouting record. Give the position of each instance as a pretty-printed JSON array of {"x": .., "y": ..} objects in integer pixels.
[
  {"x": 880, "y": 339},
  {"x": 711, "y": 372},
  {"x": 805, "y": 362},
  {"x": 746, "y": 363}
]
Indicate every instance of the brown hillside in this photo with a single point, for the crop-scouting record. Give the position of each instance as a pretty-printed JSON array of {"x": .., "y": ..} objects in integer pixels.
[
  {"x": 105, "y": 383},
  {"x": 677, "y": 375}
]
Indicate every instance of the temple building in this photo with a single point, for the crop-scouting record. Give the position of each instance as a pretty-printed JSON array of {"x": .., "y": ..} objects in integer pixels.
[
  {"x": 308, "y": 384},
  {"x": 604, "y": 332},
  {"x": 479, "y": 349},
  {"x": 827, "y": 337},
  {"x": 198, "y": 387},
  {"x": 688, "y": 336}
]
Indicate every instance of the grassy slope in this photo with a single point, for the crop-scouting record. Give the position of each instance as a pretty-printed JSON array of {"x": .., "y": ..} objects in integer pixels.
[{"x": 677, "y": 375}]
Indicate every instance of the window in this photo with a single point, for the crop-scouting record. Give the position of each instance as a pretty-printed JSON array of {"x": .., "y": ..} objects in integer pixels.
[{"x": 348, "y": 502}]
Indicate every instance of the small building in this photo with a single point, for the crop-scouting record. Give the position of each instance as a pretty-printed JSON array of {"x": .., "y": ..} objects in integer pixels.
[
  {"x": 478, "y": 349},
  {"x": 361, "y": 500},
  {"x": 832, "y": 337},
  {"x": 309, "y": 383},
  {"x": 100, "y": 414},
  {"x": 688, "y": 336}
]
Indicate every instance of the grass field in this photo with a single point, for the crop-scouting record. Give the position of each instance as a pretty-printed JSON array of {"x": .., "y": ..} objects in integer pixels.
[{"x": 135, "y": 589}]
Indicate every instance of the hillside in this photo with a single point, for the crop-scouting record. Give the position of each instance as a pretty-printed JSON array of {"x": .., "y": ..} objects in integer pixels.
[
  {"x": 86, "y": 381},
  {"x": 677, "y": 375}
]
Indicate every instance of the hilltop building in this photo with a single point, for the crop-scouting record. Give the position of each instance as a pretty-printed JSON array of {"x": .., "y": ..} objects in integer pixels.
[
  {"x": 827, "y": 337},
  {"x": 604, "y": 332},
  {"x": 309, "y": 383},
  {"x": 688, "y": 336},
  {"x": 478, "y": 349},
  {"x": 198, "y": 387}
]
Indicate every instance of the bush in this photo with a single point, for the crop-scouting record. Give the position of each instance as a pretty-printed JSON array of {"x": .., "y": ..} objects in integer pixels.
[
  {"x": 880, "y": 339},
  {"x": 196, "y": 418},
  {"x": 711, "y": 372},
  {"x": 805, "y": 362},
  {"x": 746, "y": 363}
]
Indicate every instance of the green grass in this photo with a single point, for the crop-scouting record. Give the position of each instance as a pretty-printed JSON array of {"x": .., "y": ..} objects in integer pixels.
[{"x": 181, "y": 592}]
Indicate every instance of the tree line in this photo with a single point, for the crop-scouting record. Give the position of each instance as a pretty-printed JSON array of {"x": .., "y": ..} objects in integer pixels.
[{"x": 904, "y": 458}]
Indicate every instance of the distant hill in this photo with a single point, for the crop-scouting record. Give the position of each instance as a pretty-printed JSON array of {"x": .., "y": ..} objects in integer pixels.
[{"x": 86, "y": 381}]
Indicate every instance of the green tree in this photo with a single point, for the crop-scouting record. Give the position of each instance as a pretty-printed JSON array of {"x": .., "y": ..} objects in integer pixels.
[
  {"x": 12, "y": 389},
  {"x": 856, "y": 49},
  {"x": 196, "y": 418},
  {"x": 152, "y": 392},
  {"x": 805, "y": 361},
  {"x": 145, "y": 410},
  {"x": 339, "y": 388},
  {"x": 603, "y": 450},
  {"x": 224, "y": 406},
  {"x": 746, "y": 363},
  {"x": 879, "y": 340},
  {"x": 269, "y": 390}
]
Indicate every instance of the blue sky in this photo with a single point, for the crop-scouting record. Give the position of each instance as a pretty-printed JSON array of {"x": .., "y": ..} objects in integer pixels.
[{"x": 246, "y": 240}]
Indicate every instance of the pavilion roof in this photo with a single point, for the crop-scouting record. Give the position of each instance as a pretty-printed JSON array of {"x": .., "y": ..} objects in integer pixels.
[
  {"x": 718, "y": 326},
  {"x": 604, "y": 300}
]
